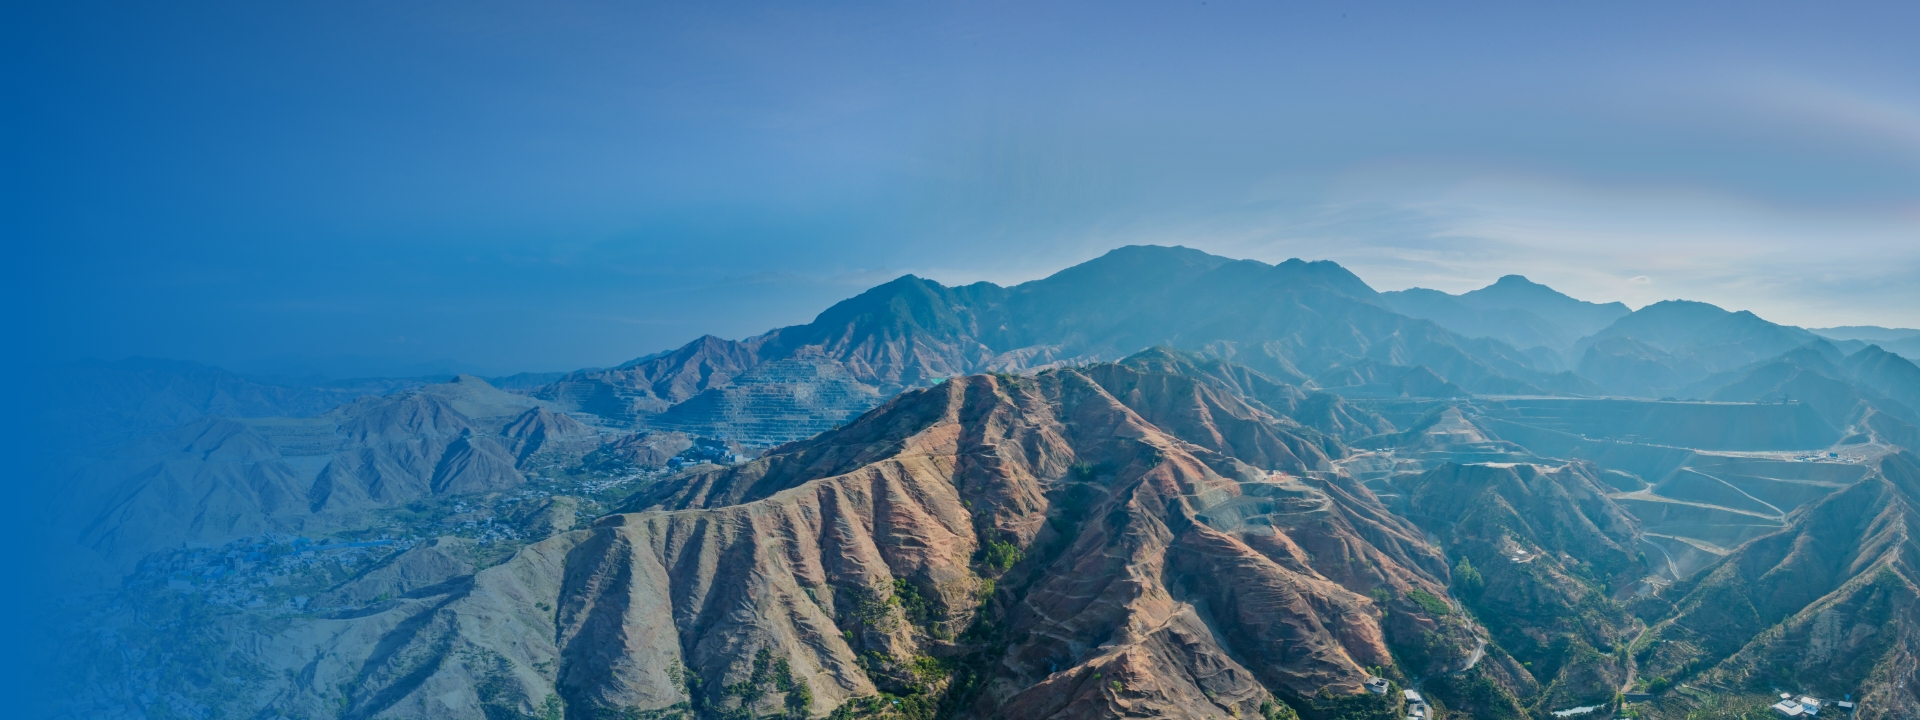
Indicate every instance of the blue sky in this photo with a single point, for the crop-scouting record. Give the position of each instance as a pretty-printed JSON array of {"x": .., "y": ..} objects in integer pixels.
[{"x": 553, "y": 185}]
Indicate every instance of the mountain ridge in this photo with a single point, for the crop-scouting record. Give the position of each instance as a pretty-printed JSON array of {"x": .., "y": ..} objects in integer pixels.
[
  {"x": 909, "y": 332},
  {"x": 1161, "y": 483},
  {"x": 1538, "y": 319}
]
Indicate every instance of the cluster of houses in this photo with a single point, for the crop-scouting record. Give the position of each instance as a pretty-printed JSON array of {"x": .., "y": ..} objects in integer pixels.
[
  {"x": 1827, "y": 457},
  {"x": 1416, "y": 705},
  {"x": 1806, "y": 706}
]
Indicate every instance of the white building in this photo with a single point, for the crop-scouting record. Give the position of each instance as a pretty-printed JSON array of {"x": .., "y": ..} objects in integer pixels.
[
  {"x": 1788, "y": 708},
  {"x": 1416, "y": 706},
  {"x": 1376, "y": 685}
]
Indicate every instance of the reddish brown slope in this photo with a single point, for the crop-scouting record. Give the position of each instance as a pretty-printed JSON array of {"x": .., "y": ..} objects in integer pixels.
[{"x": 1135, "y": 574}]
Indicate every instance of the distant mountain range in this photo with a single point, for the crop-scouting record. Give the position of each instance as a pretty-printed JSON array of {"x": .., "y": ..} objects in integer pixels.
[
  {"x": 1300, "y": 322},
  {"x": 338, "y": 367},
  {"x": 1515, "y": 311},
  {"x": 95, "y": 403},
  {"x": 1904, "y": 341},
  {"x": 1158, "y": 484},
  {"x": 1311, "y": 324}
]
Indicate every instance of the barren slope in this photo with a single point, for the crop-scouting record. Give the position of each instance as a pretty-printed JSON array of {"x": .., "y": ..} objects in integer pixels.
[{"x": 1027, "y": 547}]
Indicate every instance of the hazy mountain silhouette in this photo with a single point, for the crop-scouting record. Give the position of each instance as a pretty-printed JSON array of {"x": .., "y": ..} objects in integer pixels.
[
  {"x": 1300, "y": 323},
  {"x": 1514, "y": 310},
  {"x": 1661, "y": 348}
]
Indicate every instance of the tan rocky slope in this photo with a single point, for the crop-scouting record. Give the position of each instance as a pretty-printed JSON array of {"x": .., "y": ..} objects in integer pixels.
[
  {"x": 1323, "y": 412},
  {"x": 1007, "y": 547}
]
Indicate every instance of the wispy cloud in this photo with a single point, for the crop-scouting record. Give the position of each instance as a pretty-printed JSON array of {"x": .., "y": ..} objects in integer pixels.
[
  {"x": 1883, "y": 120},
  {"x": 1634, "y": 244}
]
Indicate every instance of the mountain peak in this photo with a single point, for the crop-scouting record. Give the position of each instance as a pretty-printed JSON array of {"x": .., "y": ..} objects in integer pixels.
[
  {"x": 1131, "y": 261},
  {"x": 1513, "y": 309},
  {"x": 1328, "y": 274},
  {"x": 1676, "y": 306},
  {"x": 1512, "y": 290},
  {"x": 1160, "y": 251}
]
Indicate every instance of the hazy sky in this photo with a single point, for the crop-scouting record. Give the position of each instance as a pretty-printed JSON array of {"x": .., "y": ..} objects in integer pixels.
[{"x": 551, "y": 185}]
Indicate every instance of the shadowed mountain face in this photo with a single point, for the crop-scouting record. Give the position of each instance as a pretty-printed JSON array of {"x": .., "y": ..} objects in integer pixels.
[
  {"x": 1663, "y": 347},
  {"x": 1292, "y": 321},
  {"x": 1515, "y": 292},
  {"x": 1868, "y": 394}
]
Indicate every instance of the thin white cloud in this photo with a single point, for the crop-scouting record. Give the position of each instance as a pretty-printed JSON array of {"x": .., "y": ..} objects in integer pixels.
[
  {"x": 1877, "y": 118},
  {"x": 1793, "y": 265},
  {"x": 1639, "y": 245}
]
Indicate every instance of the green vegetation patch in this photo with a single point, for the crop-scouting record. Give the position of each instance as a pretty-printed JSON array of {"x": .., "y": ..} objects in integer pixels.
[
  {"x": 1001, "y": 555},
  {"x": 1468, "y": 580},
  {"x": 1429, "y": 603},
  {"x": 1270, "y": 710},
  {"x": 1476, "y": 695},
  {"x": 886, "y": 706},
  {"x": 1364, "y": 706},
  {"x": 916, "y": 607},
  {"x": 502, "y": 699}
]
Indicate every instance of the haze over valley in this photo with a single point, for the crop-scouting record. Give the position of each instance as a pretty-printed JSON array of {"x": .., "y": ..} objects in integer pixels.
[{"x": 586, "y": 360}]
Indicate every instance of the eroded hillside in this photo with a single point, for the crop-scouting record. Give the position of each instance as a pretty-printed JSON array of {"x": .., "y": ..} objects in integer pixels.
[{"x": 995, "y": 546}]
